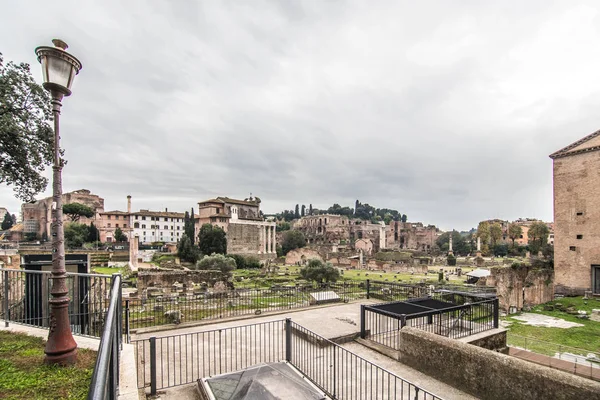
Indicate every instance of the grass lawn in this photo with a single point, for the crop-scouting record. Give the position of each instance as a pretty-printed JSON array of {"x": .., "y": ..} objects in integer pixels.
[
  {"x": 547, "y": 340},
  {"x": 107, "y": 270},
  {"x": 23, "y": 374}
]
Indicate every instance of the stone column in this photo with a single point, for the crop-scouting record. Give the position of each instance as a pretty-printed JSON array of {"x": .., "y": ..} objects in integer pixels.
[
  {"x": 264, "y": 243},
  {"x": 450, "y": 252},
  {"x": 260, "y": 239},
  {"x": 274, "y": 241},
  {"x": 268, "y": 229}
]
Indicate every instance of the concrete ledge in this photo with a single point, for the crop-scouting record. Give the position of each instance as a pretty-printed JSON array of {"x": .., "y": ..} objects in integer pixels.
[
  {"x": 386, "y": 351},
  {"x": 83, "y": 342},
  {"x": 488, "y": 374},
  {"x": 128, "y": 374},
  {"x": 494, "y": 339}
]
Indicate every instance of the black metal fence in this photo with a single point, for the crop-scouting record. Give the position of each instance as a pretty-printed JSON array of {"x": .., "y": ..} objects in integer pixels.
[
  {"x": 343, "y": 374},
  {"x": 180, "y": 359},
  {"x": 24, "y": 296},
  {"x": 105, "y": 380},
  {"x": 393, "y": 291},
  {"x": 181, "y": 307},
  {"x": 169, "y": 361},
  {"x": 383, "y": 326}
]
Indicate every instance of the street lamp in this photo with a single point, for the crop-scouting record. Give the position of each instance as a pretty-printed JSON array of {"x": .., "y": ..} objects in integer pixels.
[{"x": 59, "y": 69}]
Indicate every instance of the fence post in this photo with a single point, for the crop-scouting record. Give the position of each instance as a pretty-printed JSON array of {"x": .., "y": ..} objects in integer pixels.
[
  {"x": 153, "y": 366},
  {"x": 363, "y": 334},
  {"x": 6, "y": 311},
  {"x": 128, "y": 337},
  {"x": 288, "y": 340},
  {"x": 334, "y": 373},
  {"x": 496, "y": 312},
  {"x": 368, "y": 288}
]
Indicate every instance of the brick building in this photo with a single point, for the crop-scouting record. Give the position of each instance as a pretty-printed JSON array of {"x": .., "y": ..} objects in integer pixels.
[
  {"x": 37, "y": 216},
  {"x": 577, "y": 216}
]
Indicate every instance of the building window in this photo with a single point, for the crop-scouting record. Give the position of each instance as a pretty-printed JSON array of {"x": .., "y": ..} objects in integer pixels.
[
  {"x": 143, "y": 218},
  {"x": 178, "y": 227},
  {"x": 136, "y": 217},
  {"x": 143, "y": 227},
  {"x": 144, "y": 235},
  {"x": 166, "y": 227},
  {"x": 572, "y": 248},
  {"x": 579, "y": 236},
  {"x": 136, "y": 225},
  {"x": 116, "y": 225},
  {"x": 580, "y": 213},
  {"x": 124, "y": 225},
  {"x": 108, "y": 217},
  {"x": 108, "y": 225},
  {"x": 177, "y": 234}
]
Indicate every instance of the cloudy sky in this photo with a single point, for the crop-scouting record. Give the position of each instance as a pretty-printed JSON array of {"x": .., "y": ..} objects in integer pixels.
[{"x": 446, "y": 111}]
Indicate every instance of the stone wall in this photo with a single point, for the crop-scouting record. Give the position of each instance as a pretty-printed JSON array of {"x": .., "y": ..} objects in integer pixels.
[
  {"x": 399, "y": 267},
  {"x": 166, "y": 279},
  {"x": 487, "y": 374},
  {"x": 243, "y": 239},
  {"x": 301, "y": 256},
  {"x": 521, "y": 286}
]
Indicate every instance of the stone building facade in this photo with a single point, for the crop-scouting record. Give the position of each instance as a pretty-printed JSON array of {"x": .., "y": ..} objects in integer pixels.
[
  {"x": 577, "y": 216},
  {"x": 411, "y": 236},
  {"x": 337, "y": 230},
  {"x": 247, "y": 231},
  {"x": 37, "y": 216}
]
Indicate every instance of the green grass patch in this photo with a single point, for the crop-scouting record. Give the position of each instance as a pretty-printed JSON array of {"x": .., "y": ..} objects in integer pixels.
[
  {"x": 552, "y": 340},
  {"x": 107, "y": 270},
  {"x": 23, "y": 374}
]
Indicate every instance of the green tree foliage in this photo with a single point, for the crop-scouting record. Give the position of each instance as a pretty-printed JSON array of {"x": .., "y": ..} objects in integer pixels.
[
  {"x": 297, "y": 212},
  {"x": 283, "y": 226},
  {"x": 404, "y": 218},
  {"x": 302, "y": 210},
  {"x": 77, "y": 210},
  {"x": 93, "y": 234},
  {"x": 339, "y": 210},
  {"x": 186, "y": 250},
  {"x": 292, "y": 240},
  {"x": 451, "y": 260},
  {"x": 120, "y": 236},
  {"x": 217, "y": 262},
  {"x": 76, "y": 234},
  {"x": 500, "y": 250},
  {"x": 7, "y": 223},
  {"x": 460, "y": 244},
  {"x": 514, "y": 232},
  {"x": 320, "y": 272},
  {"x": 212, "y": 239},
  {"x": 310, "y": 211},
  {"x": 538, "y": 236},
  {"x": 483, "y": 231},
  {"x": 26, "y": 137},
  {"x": 188, "y": 226},
  {"x": 495, "y": 233},
  {"x": 245, "y": 262}
]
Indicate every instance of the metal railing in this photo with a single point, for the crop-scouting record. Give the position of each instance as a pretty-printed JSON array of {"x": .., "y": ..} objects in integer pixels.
[
  {"x": 179, "y": 307},
  {"x": 393, "y": 291},
  {"x": 105, "y": 380},
  {"x": 24, "y": 296},
  {"x": 342, "y": 374},
  {"x": 169, "y": 361},
  {"x": 578, "y": 361},
  {"x": 458, "y": 321}
]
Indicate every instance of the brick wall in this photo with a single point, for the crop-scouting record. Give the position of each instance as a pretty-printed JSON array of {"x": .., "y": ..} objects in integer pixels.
[{"x": 576, "y": 190}]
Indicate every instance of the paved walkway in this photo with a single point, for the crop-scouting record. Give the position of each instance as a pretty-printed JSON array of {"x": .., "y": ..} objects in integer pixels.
[
  {"x": 585, "y": 371},
  {"x": 333, "y": 321}
]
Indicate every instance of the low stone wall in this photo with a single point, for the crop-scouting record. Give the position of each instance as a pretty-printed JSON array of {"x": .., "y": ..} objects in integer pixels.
[
  {"x": 399, "y": 268},
  {"x": 166, "y": 279},
  {"x": 521, "y": 286},
  {"x": 302, "y": 256},
  {"x": 487, "y": 374}
]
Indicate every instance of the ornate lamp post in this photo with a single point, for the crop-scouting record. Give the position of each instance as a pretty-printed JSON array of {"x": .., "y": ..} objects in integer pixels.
[{"x": 59, "y": 69}]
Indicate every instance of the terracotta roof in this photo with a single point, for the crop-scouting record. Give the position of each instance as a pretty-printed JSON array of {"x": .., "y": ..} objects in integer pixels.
[
  {"x": 116, "y": 212},
  {"x": 567, "y": 151},
  {"x": 212, "y": 201},
  {"x": 223, "y": 200}
]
